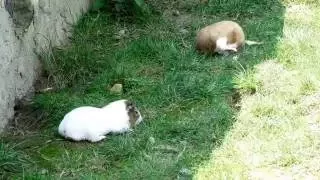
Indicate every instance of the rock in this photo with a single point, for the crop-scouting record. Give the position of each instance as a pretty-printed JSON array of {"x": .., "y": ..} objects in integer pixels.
[{"x": 116, "y": 88}]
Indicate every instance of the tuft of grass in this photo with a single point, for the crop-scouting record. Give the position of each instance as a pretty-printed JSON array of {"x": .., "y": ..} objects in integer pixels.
[
  {"x": 11, "y": 161},
  {"x": 246, "y": 82}
]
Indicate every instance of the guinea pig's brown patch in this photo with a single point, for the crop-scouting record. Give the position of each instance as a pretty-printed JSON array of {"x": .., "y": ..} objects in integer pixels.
[{"x": 132, "y": 113}]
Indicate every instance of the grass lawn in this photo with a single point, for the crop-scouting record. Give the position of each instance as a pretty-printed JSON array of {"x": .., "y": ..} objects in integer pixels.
[{"x": 194, "y": 126}]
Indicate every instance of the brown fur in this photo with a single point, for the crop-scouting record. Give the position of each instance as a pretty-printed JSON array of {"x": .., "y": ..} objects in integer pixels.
[
  {"x": 132, "y": 113},
  {"x": 207, "y": 36}
]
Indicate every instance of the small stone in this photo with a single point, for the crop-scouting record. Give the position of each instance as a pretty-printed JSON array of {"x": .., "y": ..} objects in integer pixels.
[{"x": 116, "y": 88}]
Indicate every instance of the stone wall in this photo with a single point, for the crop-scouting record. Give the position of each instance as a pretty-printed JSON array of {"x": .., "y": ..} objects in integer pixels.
[{"x": 27, "y": 29}]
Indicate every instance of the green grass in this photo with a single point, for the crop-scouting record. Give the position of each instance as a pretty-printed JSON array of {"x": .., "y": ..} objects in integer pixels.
[
  {"x": 276, "y": 135},
  {"x": 12, "y": 161},
  {"x": 187, "y": 100}
]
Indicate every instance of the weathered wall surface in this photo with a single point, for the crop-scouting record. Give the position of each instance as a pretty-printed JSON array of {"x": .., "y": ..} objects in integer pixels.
[{"x": 28, "y": 28}]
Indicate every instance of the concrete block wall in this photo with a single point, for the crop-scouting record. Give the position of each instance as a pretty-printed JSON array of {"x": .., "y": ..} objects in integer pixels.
[{"x": 27, "y": 29}]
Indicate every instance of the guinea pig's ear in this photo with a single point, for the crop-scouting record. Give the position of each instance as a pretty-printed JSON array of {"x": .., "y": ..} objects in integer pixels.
[{"x": 130, "y": 105}]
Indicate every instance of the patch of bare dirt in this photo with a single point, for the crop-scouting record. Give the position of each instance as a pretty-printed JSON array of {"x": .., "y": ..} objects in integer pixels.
[{"x": 27, "y": 118}]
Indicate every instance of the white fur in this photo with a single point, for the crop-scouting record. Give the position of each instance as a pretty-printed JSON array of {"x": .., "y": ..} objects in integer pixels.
[
  {"x": 221, "y": 45},
  {"x": 92, "y": 124}
]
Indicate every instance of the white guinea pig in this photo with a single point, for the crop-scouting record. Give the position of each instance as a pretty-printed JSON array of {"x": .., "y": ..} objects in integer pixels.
[{"x": 92, "y": 124}]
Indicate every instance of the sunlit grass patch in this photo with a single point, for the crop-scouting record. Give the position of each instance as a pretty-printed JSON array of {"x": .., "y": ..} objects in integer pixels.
[{"x": 276, "y": 135}]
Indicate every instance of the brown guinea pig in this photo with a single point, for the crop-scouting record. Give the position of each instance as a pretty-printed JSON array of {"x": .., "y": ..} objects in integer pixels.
[{"x": 221, "y": 37}]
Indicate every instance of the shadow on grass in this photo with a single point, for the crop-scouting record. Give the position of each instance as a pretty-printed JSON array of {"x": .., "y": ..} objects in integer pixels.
[{"x": 186, "y": 98}]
